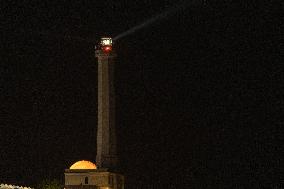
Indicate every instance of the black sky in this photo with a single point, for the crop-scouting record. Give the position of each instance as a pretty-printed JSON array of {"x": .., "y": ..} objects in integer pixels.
[{"x": 199, "y": 94}]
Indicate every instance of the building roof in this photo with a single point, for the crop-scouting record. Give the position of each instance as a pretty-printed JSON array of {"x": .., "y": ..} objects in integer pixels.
[{"x": 83, "y": 164}]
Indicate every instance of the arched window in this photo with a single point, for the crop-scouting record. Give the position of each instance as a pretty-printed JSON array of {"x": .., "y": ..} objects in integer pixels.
[{"x": 86, "y": 180}]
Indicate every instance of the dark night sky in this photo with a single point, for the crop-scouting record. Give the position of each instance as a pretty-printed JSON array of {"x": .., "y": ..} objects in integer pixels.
[{"x": 199, "y": 94}]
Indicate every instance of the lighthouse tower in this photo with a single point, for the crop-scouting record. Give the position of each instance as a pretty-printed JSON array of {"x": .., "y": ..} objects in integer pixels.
[{"x": 106, "y": 136}]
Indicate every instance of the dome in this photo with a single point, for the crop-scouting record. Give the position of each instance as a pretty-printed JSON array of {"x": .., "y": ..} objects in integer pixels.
[{"x": 83, "y": 165}]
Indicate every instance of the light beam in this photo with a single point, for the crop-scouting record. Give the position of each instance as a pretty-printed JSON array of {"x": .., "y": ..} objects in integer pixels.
[{"x": 185, "y": 4}]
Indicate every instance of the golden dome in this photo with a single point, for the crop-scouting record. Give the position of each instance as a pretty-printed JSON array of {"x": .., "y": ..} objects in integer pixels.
[{"x": 83, "y": 165}]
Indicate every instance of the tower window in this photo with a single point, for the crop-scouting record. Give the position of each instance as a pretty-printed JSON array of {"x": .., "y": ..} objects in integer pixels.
[
  {"x": 110, "y": 180},
  {"x": 86, "y": 180}
]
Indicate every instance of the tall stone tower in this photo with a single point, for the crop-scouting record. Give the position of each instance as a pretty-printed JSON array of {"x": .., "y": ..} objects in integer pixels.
[
  {"x": 106, "y": 136},
  {"x": 102, "y": 175}
]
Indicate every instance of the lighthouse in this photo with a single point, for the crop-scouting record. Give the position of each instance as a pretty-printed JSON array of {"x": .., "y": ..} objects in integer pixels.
[
  {"x": 106, "y": 136},
  {"x": 103, "y": 174}
]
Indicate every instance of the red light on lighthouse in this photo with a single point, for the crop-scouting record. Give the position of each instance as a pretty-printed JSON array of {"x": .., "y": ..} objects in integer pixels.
[{"x": 107, "y": 48}]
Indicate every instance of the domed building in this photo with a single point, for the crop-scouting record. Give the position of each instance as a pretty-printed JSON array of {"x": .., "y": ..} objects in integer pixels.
[
  {"x": 85, "y": 175},
  {"x": 104, "y": 174}
]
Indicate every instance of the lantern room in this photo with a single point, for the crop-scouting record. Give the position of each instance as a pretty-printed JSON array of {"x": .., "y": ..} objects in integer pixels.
[{"x": 106, "y": 44}]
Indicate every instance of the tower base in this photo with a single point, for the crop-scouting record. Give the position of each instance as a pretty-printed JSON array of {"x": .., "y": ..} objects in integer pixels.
[{"x": 93, "y": 179}]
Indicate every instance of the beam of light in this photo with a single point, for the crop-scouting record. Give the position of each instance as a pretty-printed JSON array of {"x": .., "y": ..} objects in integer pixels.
[{"x": 158, "y": 17}]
